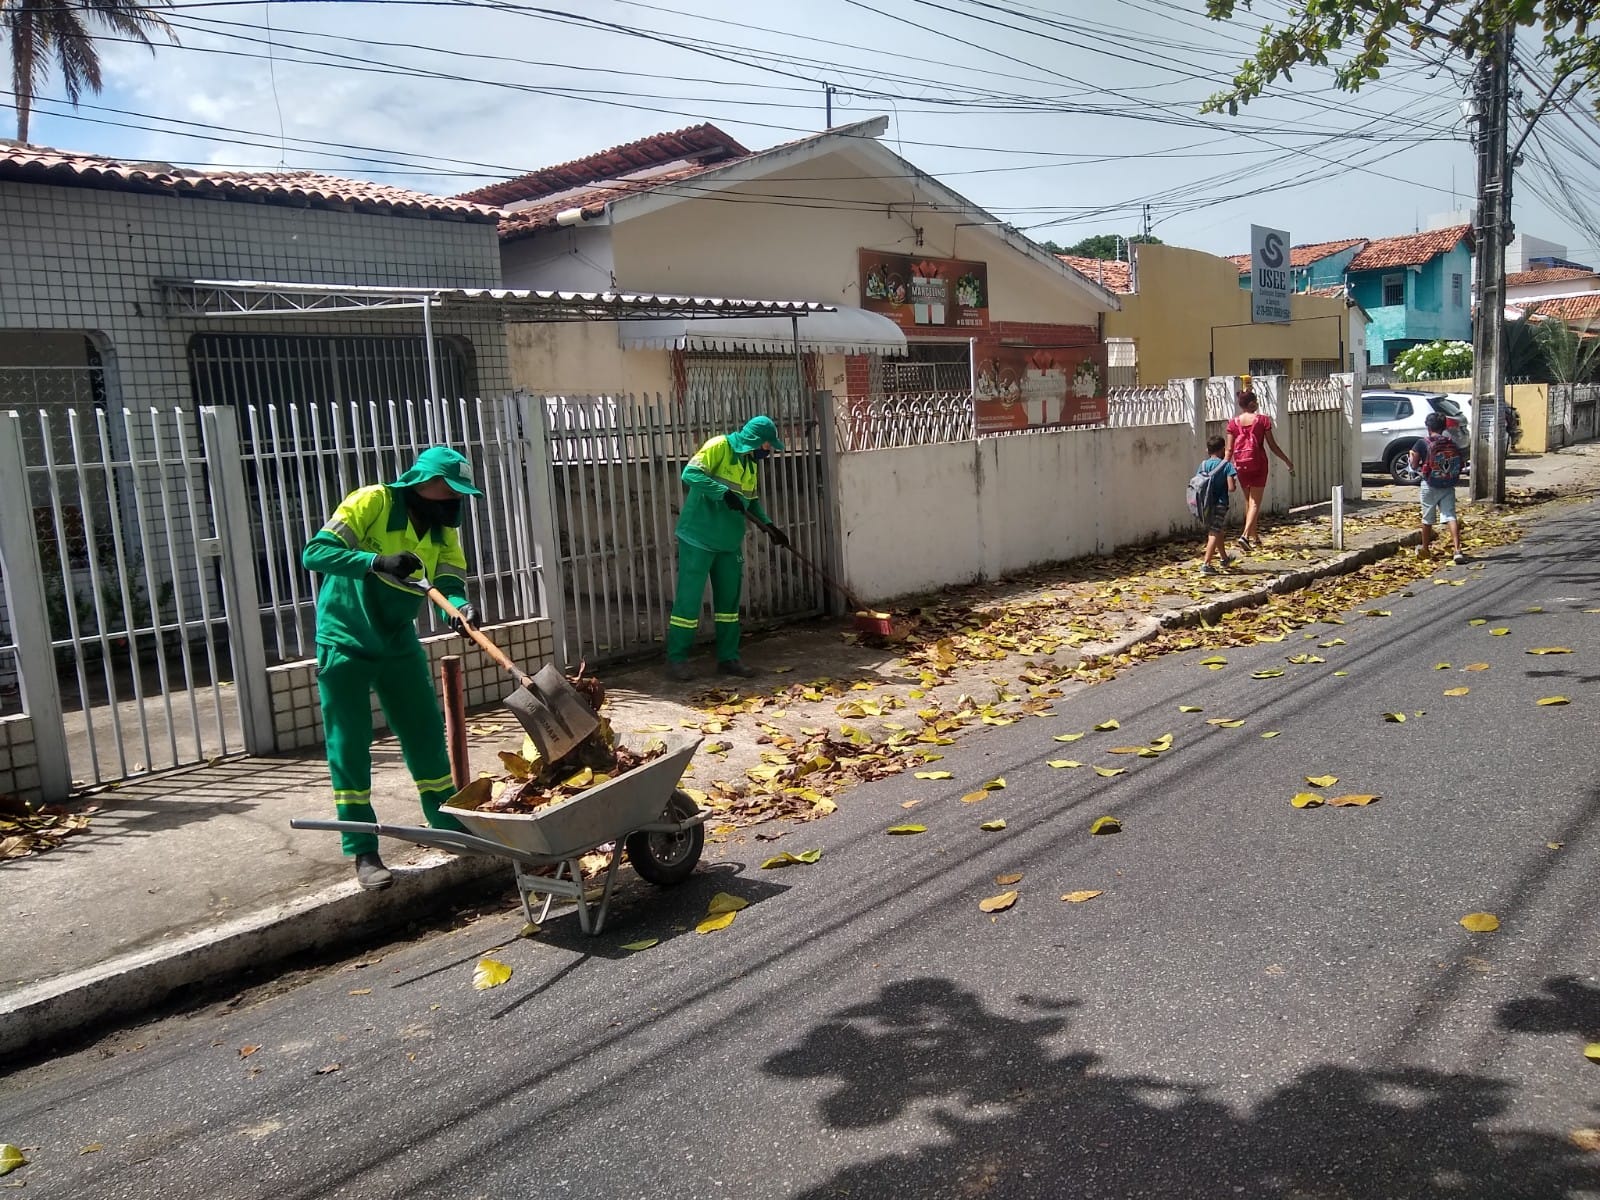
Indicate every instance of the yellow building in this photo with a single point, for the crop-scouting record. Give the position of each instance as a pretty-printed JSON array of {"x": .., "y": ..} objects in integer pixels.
[{"x": 1186, "y": 316}]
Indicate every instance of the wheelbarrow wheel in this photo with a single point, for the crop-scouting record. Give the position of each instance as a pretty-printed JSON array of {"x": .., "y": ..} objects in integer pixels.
[{"x": 666, "y": 859}]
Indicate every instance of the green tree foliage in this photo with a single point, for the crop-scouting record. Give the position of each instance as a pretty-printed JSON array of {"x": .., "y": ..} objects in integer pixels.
[
  {"x": 1356, "y": 36},
  {"x": 1107, "y": 245},
  {"x": 1571, "y": 355},
  {"x": 39, "y": 32}
]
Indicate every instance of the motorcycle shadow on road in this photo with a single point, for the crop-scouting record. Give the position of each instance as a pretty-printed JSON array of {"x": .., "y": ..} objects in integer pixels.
[{"x": 1021, "y": 1117}]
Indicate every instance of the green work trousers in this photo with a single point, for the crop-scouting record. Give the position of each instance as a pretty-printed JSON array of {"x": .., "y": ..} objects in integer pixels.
[
  {"x": 345, "y": 684},
  {"x": 726, "y": 570}
]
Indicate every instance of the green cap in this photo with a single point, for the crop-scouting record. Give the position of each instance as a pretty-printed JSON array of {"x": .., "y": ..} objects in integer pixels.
[
  {"x": 756, "y": 430},
  {"x": 440, "y": 462}
]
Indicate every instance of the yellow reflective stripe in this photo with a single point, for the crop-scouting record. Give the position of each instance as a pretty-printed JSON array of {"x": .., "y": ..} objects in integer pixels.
[
  {"x": 725, "y": 618},
  {"x": 343, "y": 532},
  {"x": 683, "y": 622},
  {"x": 351, "y": 797},
  {"x": 434, "y": 785}
]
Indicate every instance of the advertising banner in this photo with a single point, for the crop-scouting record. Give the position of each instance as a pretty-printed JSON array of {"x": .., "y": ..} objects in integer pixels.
[
  {"x": 931, "y": 294},
  {"x": 1269, "y": 274},
  {"x": 1022, "y": 387}
]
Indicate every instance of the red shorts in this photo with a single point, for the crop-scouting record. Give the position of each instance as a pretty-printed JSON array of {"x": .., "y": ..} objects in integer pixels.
[{"x": 1252, "y": 475}]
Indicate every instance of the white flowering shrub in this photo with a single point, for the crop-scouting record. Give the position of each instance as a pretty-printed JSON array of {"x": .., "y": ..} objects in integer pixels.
[{"x": 1436, "y": 360}]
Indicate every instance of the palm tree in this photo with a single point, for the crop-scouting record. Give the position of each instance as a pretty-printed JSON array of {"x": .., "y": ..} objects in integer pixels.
[{"x": 42, "y": 30}]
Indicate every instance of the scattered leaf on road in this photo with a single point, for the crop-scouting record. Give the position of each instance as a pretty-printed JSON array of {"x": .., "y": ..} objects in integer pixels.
[
  {"x": 1340, "y": 674},
  {"x": 247, "y": 1051},
  {"x": 1109, "y": 772},
  {"x": 1126, "y": 749},
  {"x": 1063, "y": 762},
  {"x": 1457, "y": 691},
  {"x": 641, "y": 944},
  {"x": 1269, "y": 673},
  {"x": 1585, "y": 1139},
  {"x": 1080, "y": 897},
  {"x": 900, "y": 830},
  {"x": 1216, "y": 660},
  {"x": 1478, "y": 621},
  {"x": 11, "y": 1158},
  {"x": 1306, "y": 800},
  {"x": 1226, "y": 722},
  {"x": 1395, "y": 718},
  {"x": 1108, "y": 725},
  {"x": 1322, "y": 781},
  {"x": 1476, "y": 667},
  {"x": 994, "y": 826},
  {"x": 1554, "y": 845},
  {"x": 1592, "y": 1051},
  {"x": 1353, "y": 801},
  {"x": 1481, "y": 922},
  {"x": 1553, "y": 701},
  {"x": 1190, "y": 708},
  {"x": 909, "y": 803},
  {"x": 1550, "y": 650},
  {"x": 359, "y": 992},
  {"x": 998, "y": 903},
  {"x": 974, "y": 797},
  {"x": 1330, "y": 643},
  {"x": 715, "y": 922},
  {"x": 329, "y": 1069},
  {"x": 725, "y": 902},
  {"x": 1441, "y": 666},
  {"x": 1271, "y": 733},
  {"x": 489, "y": 973},
  {"x": 787, "y": 859},
  {"x": 933, "y": 775},
  {"x": 1008, "y": 878},
  {"x": 1501, "y": 631},
  {"x": 1104, "y": 825}
]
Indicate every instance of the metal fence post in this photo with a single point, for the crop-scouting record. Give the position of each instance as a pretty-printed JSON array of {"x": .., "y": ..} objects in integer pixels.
[
  {"x": 832, "y": 542},
  {"x": 219, "y": 427},
  {"x": 540, "y": 482},
  {"x": 30, "y": 615}
]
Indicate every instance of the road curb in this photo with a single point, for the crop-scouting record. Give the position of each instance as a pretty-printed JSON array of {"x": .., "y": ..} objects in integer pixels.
[{"x": 33, "y": 1018}]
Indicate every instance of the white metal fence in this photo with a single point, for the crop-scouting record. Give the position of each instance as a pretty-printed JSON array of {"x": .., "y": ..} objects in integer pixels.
[
  {"x": 301, "y": 459},
  {"x": 615, "y": 491},
  {"x": 880, "y": 422}
]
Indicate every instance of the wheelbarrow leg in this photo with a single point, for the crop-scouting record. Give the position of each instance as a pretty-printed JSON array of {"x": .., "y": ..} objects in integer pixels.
[
  {"x": 584, "y": 921},
  {"x": 605, "y": 895}
]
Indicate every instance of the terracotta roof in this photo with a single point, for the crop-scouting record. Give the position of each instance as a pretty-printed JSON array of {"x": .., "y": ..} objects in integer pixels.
[
  {"x": 1110, "y": 274},
  {"x": 1547, "y": 275},
  {"x": 592, "y": 201},
  {"x": 41, "y": 164},
  {"x": 1411, "y": 249},
  {"x": 702, "y": 144},
  {"x": 1572, "y": 309},
  {"x": 1303, "y": 255},
  {"x": 1329, "y": 293}
]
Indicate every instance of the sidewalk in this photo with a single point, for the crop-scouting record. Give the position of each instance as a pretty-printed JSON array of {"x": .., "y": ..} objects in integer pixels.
[{"x": 195, "y": 876}]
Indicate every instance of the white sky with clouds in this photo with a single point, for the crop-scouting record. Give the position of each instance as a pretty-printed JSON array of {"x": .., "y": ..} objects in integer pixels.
[{"x": 447, "y": 101}]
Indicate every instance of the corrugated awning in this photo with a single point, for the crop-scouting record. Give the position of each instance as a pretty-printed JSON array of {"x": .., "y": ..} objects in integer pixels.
[
  {"x": 828, "y": 331},
  {"x": 247, "y": 297}
]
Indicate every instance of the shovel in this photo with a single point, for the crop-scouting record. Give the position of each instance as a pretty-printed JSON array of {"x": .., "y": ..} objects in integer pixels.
[{"x": 545, "y": 704}]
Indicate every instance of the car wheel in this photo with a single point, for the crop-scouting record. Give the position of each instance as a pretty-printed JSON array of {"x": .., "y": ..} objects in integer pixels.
[{"x": 1400, "y": 468}]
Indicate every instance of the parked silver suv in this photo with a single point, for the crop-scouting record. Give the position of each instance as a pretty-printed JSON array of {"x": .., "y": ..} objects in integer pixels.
[{"x": 1392, "y": 423}]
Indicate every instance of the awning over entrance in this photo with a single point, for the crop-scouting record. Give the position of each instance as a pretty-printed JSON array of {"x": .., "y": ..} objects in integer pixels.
[{"x": 828, "y": 331}]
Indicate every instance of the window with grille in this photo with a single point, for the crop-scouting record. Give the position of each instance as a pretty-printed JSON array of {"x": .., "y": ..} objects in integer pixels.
[
  {"x": 1319, "y": 368},
  {"x": 1394, "y": 290},
  {"x": 1455, "y": 290},
  {"x": 927, "y": 367}
]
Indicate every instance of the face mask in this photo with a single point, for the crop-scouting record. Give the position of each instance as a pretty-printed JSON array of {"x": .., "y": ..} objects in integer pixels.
[
  {"x": 761, "y": 455},
  {"x": 434, "y": 514}
]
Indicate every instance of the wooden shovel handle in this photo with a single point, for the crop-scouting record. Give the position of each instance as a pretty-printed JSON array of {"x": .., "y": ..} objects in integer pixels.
[{"x": 488, "y": 647}]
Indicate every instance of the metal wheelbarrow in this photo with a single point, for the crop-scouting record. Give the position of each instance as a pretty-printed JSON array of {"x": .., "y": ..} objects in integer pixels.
[{"x": 659, "y": 828}]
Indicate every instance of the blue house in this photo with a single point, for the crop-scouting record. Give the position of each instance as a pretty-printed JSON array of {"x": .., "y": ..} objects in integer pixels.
[{"x": 1417, "y": 287}]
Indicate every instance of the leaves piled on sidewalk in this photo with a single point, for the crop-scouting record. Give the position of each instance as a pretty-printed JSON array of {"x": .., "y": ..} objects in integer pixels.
[{"x": 25, "y": 830}]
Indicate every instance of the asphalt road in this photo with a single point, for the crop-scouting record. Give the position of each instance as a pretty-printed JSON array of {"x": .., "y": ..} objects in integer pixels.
[{"x": 1265, "y": 1001}]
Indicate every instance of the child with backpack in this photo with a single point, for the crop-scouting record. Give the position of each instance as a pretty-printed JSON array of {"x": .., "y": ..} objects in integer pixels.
[
  {"x": 1208, "y": 500},
  {"x": 1438, "y": 460}
]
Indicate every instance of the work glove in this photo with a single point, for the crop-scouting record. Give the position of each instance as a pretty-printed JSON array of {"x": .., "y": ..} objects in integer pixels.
[
  {"x": 469, "y": 616},
  {"x": 402, "y": 565},
  {"x": 733, "y": 500},
  {"x": 778, "y": 536}
]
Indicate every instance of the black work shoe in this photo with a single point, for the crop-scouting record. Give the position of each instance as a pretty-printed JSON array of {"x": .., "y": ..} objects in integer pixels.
[
  {"x": 734, "y": 667},
  {"x": 679, "y": 672},
  {"x": 371, "y": 874}
]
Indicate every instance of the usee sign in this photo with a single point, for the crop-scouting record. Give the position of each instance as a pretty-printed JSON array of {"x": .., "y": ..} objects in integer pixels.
[{"x": 1269, "y": 274}]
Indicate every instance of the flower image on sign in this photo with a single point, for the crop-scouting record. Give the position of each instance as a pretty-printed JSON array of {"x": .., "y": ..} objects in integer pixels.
[
  {"x": 1022, "y": 387},
  {"x": 925, "y": 293}
]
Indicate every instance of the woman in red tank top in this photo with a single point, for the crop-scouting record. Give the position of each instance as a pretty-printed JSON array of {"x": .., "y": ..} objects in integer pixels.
[{"x": 1249, "y": 439}]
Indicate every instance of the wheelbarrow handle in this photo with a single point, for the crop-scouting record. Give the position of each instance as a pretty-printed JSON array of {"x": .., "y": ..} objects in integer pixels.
[{"x": 423, "y": 588}]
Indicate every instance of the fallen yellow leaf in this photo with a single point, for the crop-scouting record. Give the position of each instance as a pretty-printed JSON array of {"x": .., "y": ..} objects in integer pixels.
[
  {"x": 724, "y": 902},
  {"x": 1068, "y": 737},
  {"x": 641, "y": 944},
  {"x": 1110, "y": 772},
  {"x": 1553, "y": 701},
  {"x": 1339, "y": 674},
  {"x": 1592, "y": 1051},
  {"x": 1322, "y": 781},
  {"x": 1500, "y": 632},
  {"x": 1063, "y": 762},
  {"x": 897, "y": 830},
  {"x": 1330, "y": 643},
  {"x": 974, "y": 797},
  {"x": 1216, "y": 660},
  {"x": 489, "y": 973},
  {"x": 1190, "y": 708},
  {"x": 1104, "y": 825},
  {"x": 1269, "y": 673},
  {"x": 1306, "y": 800},
  {"x": 1107, "y": 726},
  {"x": 11, "y": 1158},
  {"x": 995, "y": 784},
  {"x": 1125, "y": 749},
  {"x": 1271, "y": 733},
  {"x": 1008, "y": 878},
  {"x": 713, "y": 923},
  {"x": 786, "y": 859},
  {"x": 1226, "y": 722},
  {"x": 1550, "y": 650},
  {"x": 1481, "y": 922},
  {"x": 1476, "y": 667},
  {"x": 530, "y": 929},
  {"x": 998, "y": 903},
  {"x": 994, "y": 826},
  {"x": 1554, "y": 845},
  {"x": 933, "y": 775},
  {"x": 1080, "y": 897},
  {"x": 1395, "y": 718},
  {"x": 1357, "y": 801},
  {"x": 1457, "y": 691},
  {"x": 1441, "y": 666},
  {"x": 1478, "y": 621},
  {"x": 1585, "y": 1139}
]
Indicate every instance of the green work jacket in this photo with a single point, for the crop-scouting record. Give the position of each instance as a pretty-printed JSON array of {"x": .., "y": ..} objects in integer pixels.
[
  {"x": 706, "y": 520},
  {"x": 362, "y": 612}
]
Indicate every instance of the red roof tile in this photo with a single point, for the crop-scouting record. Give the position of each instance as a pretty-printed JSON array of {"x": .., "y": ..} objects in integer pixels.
[
  {"x": 1571, "y": 309},
  {"x": 1305, "y": 254},
  {"x": 592, "y": 201},
  {"x": 1110, "y": 274},
  {"x": 702, "y": 144},
  {"x": 1411, "y": 249},
  {"x": 1547, "y": 275},
  {"x": 40, "y": 164}
]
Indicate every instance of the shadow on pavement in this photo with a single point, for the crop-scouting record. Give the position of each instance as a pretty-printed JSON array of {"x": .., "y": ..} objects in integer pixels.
[
  {"x": 1567, "y": 1005},
  {"x": 1021, "y": 1118}
]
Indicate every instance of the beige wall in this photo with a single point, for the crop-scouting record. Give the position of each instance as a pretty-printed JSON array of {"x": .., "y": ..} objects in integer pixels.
[
  {"x": 1183, "y": 294},
  {"x": 1531, "y": 401},
  {"x": 583, "y": 359}
]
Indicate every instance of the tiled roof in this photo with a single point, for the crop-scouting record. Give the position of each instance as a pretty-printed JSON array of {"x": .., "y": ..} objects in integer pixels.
[
  {"x": 702, "y": 144},
  {"x": 1572, "y": 309},
  {"x": 1547, "y": 275},
  {"x": 1303, "y": 255},
  {"x": 1328, "y": 293},
  {"x": 1411, "y": 249},
  {"x": 592, "y": 200},
  {"x": 1110, "y": 274},
  {"x": 40, "y": 164}
]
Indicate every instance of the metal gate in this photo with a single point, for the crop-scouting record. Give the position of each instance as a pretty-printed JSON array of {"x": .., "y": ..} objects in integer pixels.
[
  {"x": 1318, "y": 438},
  {"x": 122, "y": 556},
  {"x": 615, "y": 492}
]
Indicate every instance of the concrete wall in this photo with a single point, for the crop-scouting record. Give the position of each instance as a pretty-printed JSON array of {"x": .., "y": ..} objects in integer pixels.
[
  {"x": 1532, "y": 404},
  {"x": 1189, "y": 300}
]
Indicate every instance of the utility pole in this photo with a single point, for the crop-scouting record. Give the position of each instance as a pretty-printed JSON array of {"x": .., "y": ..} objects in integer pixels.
[
  {"x": 1492, "y": 94},
  {"x": 1146, "y": 229},
  {"x": 827, "y": 93}
]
